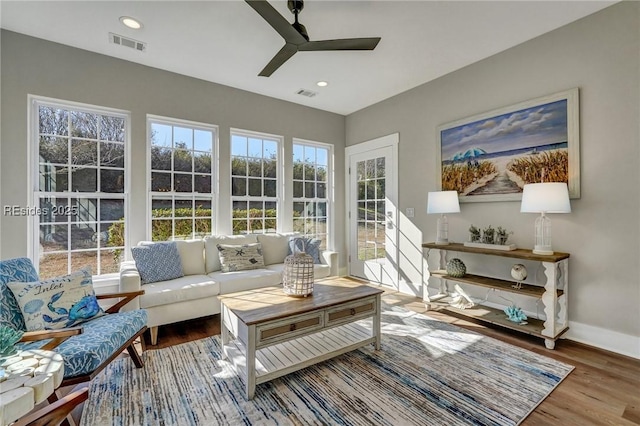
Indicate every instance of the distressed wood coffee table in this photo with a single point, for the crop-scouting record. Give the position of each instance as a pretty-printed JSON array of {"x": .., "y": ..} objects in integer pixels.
[{"x": 267, "y": 334}]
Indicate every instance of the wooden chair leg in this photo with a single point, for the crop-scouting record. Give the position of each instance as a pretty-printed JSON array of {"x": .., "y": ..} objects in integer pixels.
[{"x": 135, "y": 357}]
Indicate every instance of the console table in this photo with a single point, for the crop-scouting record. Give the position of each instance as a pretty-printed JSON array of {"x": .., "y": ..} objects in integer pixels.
[{"x": 553, "y": 293}]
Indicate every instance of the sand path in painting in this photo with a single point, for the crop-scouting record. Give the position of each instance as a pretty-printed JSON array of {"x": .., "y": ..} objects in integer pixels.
[{"x": 504, "y": 182}]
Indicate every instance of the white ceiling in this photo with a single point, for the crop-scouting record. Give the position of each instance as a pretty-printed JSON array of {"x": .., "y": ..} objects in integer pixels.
[{"x": 227, "y": 42}]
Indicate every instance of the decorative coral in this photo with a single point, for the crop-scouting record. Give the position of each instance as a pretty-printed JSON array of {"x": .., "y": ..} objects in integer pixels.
[
  {"x": 8, "y": 338},
  {"x": 515, "y": 314}
]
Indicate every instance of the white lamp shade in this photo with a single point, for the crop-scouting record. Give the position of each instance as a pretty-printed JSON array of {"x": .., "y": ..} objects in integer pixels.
[
  {"x": 549, "y": 197},
  {"x": 443, "y": 202}
]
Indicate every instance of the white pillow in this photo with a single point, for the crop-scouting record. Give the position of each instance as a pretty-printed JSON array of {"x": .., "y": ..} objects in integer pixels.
[
  {"x": 211, "y": 256},
  {"x": 274, "y": 247},
  {"x": 192, "y": 256}
]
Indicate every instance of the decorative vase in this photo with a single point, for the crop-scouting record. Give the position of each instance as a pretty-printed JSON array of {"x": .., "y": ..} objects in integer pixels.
[
  {"x": 456, "y": 268},
  {"x": 297, "y": 276}
]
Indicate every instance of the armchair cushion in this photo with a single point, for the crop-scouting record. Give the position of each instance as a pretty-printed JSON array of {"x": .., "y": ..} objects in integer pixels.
[
  {"x": 57, "y": 303},
  {"x": 100, "y": 339},
  {"x": 21, "y": 270},
  {"x": 158, "y": 262}
]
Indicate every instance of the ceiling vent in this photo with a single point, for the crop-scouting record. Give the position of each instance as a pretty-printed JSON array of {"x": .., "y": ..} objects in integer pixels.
[
  {"x": 127, "y": 42},
  {"x": 307, "y": 93}
]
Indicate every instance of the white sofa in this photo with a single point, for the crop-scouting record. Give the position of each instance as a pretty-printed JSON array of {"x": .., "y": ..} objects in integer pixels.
[{"x": 196, "y": 293}]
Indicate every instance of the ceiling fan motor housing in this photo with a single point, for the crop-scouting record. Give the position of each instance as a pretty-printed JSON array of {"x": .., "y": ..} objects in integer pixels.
[{"x": 295, "y": 6}]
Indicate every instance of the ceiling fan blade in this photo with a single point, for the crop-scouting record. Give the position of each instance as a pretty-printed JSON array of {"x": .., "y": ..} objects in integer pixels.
[
  {"x": 341, "y": 44},
  {"x": 287, "y": 51},
  {"x": 277, "y": 21}
]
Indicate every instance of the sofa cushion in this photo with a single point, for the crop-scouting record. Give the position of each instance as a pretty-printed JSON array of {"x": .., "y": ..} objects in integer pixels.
[
  {"x": 58, "y": 302},
  {"x": 100, "y": 338},
  {"x": 189, "y": 287},
  {"x": 230, "y": 282},
  {"x": 14, "y": 270},
  {"x": 319, "y": 270},
  {"x": 157, "y": 262},
  {"x": 192, "y": 256},
  {"x": 240, "y": 257},
  {"x": 212, "y": 259},
  {"x": 309, "y": 245},
  {"x": 274, "y": 247}
]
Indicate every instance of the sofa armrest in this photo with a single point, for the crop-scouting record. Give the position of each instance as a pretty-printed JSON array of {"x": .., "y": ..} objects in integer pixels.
[
  {"x": 330, "y": 258},
  {"x": 130, "y": 282}
]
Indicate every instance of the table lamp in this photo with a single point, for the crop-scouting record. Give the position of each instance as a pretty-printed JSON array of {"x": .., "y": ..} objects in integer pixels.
[
  {"x": 549, "y": 197},
  {"x": 443, "y": 202}
]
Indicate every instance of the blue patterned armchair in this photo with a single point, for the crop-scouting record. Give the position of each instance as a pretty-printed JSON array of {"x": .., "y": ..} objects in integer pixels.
[{"x": 86, "y": 349}]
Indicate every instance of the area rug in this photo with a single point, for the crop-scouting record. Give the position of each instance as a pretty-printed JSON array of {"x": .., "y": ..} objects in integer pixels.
[{"x": 427, "y": 373}]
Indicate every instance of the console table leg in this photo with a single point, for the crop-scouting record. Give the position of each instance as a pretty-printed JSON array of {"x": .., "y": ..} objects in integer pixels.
[{"x": 549, "y": 343}]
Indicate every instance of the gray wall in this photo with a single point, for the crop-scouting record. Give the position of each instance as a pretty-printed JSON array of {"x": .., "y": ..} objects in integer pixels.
[
  {"x": 600, "y": 55},
  {"x": 38, "y": 67}
]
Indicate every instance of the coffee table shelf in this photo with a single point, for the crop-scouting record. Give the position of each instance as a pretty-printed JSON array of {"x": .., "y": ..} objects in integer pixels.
[{"x": 287, "y": 357}]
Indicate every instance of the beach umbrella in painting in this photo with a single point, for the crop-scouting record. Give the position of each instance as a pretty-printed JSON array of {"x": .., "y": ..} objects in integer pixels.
[
  {"x": 458, "y": 156},
  {"x": 473, "y": 153}
]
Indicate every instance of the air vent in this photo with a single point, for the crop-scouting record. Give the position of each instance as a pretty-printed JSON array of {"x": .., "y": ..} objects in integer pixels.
[
  {"x": 307, "y": 93},
  {"x": 127, "y": 42}
]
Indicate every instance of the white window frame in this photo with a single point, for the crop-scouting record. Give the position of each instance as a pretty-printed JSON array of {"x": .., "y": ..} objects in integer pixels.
[
  {"x": 213, "y": 197},
  {"x": 329, "y": 190},
  {"x": 33, "y": 176},
  {"x": 279, "y": 175}
]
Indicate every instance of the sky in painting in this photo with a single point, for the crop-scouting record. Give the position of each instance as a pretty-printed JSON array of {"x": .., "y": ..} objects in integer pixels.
[{"x": 527, "y": 128}]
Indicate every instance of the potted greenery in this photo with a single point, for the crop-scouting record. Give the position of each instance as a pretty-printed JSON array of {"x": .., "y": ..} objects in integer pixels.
[
  {"x": 474, "y": 234},
  {"x": 488, "y": 235},
  {"x": 502, "y": 235}
]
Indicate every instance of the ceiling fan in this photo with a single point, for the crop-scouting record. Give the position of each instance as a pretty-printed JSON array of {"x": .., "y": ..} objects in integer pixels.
[{"x": 296, "y": 37}]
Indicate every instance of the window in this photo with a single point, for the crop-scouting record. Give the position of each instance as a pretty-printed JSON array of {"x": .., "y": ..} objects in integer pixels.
[
  {"x": 311, "y": 190},
  {"x": 80, "y": 188},
  {"x": 254, "y": 182},
  {"x": 183, "y": 160}
]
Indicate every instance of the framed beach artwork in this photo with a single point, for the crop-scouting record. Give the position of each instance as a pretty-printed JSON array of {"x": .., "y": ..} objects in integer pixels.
[{"x": 491, "y": 156}]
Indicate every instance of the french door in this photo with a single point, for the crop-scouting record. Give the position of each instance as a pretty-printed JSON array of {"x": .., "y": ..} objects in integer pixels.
[{"x": 372, "y": 204}]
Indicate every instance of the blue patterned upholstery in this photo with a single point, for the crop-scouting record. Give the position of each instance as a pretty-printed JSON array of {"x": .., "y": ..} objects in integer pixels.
[
  {"x": 308, "y": 245},
  {"x": 101, "y": 337},
  {"x": 21, "y": 270}
]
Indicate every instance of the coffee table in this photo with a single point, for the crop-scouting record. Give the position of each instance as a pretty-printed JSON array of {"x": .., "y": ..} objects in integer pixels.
[{"x": 267, "y": 334}]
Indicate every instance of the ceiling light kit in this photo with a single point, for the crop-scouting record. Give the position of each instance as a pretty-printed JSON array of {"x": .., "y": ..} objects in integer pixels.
[
  {"x": 296, "y": 37},
  {"x": 130, "y": 22}
]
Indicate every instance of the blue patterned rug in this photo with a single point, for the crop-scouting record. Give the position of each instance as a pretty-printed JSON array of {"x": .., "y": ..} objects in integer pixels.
[{"x": 427, "y": 373}]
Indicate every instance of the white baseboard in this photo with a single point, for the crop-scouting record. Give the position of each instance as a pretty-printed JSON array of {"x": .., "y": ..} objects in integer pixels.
[{"x": 624, "y": 344}]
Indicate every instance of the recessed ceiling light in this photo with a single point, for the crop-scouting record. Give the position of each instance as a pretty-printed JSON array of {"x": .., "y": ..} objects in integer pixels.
[
  {"x": 322, "y": 83},
  {"x": 131, "y": 22}
]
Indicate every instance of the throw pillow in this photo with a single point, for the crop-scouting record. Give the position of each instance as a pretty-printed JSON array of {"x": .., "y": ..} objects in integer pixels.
[
  {"x": 57, "y": 303},
  {"x": 240, "y": 257},
  {"x": 158, "y": 262},
  {"x": 211, "y": 255},
  {"x": 311, "y": 246}
]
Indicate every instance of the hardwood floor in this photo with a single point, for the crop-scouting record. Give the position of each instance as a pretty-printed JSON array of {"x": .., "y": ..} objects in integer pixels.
[{"x": 604, "y": 388}]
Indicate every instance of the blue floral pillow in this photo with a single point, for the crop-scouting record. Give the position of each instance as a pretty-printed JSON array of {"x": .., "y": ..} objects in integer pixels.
[
  {"x": 311, "y": 246},
  {"x": 158, "y": 262},
  {"x": 12, "y": 270},
  {"x": 57, "y": 303}
]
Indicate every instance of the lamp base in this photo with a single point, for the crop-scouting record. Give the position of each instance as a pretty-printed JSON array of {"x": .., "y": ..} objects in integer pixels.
[{"x": 542, "y": 250}]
